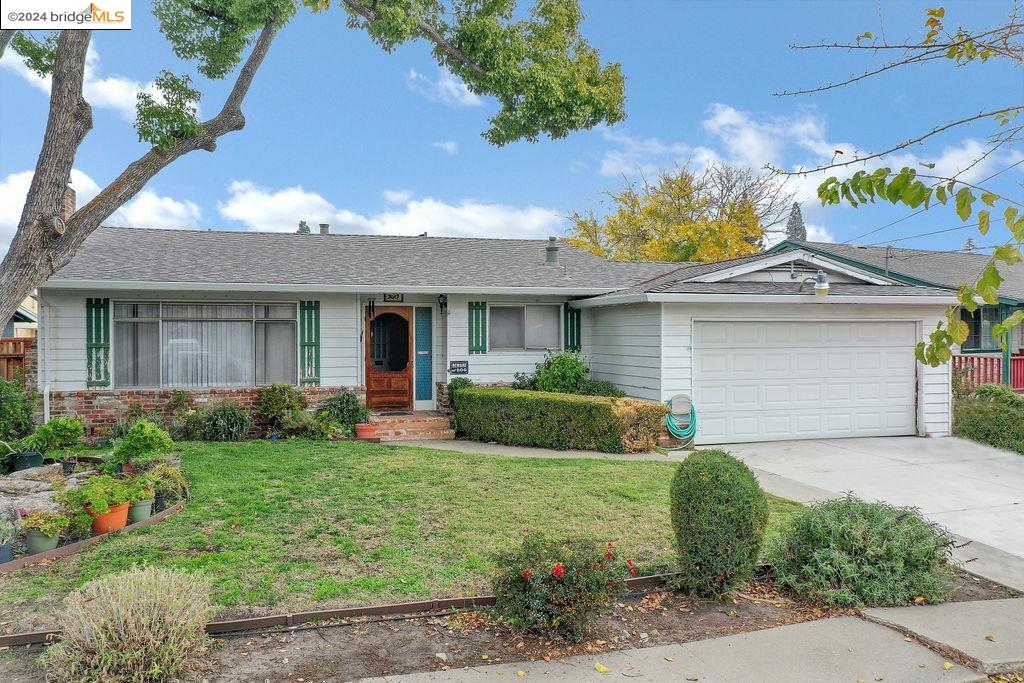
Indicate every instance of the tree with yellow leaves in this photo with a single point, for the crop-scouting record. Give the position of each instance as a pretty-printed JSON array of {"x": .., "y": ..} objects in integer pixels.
[{"x": 720, "y": 213}]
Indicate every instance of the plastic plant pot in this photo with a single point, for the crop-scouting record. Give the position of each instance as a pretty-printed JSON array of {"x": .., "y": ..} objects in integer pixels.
[
  {"x": 159, "y": 502},
  {"x": 7, "y": 552},
  {"x": 36, "y": 542},
  {"x": 26, "y": 459},
  {"x": 67, "y": 468},
  {"x": 140, "y": 510},
  {"x": 113, "y": 520},
  {"x": 366, "y": 431}
]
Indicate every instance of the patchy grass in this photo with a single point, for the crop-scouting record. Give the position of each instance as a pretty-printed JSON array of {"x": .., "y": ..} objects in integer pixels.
[{"x": 289, "y": 525}]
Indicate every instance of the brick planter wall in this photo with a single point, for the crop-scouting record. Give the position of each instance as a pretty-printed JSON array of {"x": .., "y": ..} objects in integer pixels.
[{"x": 102, "y": 409}]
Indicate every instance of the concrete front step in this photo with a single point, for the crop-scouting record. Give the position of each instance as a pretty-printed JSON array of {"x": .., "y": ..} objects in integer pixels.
[{"x": 416, "y": 435}]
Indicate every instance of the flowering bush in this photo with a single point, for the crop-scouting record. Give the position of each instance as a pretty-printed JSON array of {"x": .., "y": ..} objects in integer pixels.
[{"x": 557, "y": 587}]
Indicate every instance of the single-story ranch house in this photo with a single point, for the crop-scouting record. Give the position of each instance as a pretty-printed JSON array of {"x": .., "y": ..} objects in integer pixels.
[{"x": 804, "y": 341}]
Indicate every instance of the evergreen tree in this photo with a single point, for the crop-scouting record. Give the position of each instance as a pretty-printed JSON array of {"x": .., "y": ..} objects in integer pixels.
[
  {"x": 303, "y": 228},
  {"x": 795, "y": 228}
]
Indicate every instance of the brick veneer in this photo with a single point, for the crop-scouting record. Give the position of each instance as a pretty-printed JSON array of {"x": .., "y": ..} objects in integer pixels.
[
  {"x": 32, "y": 365},
  {"x": 101, "y": 409}
]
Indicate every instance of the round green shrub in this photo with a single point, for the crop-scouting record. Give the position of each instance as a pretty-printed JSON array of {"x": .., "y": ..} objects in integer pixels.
[
  {"x": 146, "y": 624},
  {"x": 601, "y": 387},
  {"x": 278, "y": 404},
  {"x": 345, "y": 408},
  {"x": 849, "y": 552},
  {"x": 226, "y": 422},
  {"x": 563, "y": 372},
  {"x": 60, "y": 432},
  {"x": 719, "y": 515},
  {"x": 557, "y": 588},
  {"x": 143, "y": 439},
  {"x": 15, "y": 410}
]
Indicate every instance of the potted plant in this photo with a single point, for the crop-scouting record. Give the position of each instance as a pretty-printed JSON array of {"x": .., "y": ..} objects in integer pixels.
[
  {"x": 22, "y": 458},
  {"x": 106, "y": 501},
  {"x": 366, "y": 430},
  {"x": 170, "y": 486},
  {"x": 7, "y": 532},
  {"x": 60, "y": 432},
  {"x": 42, "y": 530},
  {"x": 143, "y": 440},
  {"x": 143, "y": 493},
  {"x": 67, "y": 459}
]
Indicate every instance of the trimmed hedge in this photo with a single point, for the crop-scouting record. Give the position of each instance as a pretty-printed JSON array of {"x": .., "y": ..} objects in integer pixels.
[
  {"x": 561, "y": 421},
  {"x": 994, "y": 420}
]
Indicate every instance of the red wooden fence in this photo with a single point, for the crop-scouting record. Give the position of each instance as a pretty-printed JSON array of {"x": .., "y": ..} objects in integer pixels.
[
  {"x": 12, "y": 356},
  {"x": 980, "y": 370}
]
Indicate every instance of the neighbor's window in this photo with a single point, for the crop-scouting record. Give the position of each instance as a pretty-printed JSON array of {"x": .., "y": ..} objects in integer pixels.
[
  {"x": 524, "y": 327},
  {"x": 204, "y": 345},
  {"x": 980, "y": 323}
]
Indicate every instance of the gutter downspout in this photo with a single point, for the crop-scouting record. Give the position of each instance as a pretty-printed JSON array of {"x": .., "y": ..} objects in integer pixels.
[{"x": 43, "y": 359}]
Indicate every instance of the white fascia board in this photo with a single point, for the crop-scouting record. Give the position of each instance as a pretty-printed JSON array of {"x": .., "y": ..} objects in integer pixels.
[
  {"x": 122, "y": 285},
  {"x": 785, "y": 257},
  {"x": 786, "y": 299}
]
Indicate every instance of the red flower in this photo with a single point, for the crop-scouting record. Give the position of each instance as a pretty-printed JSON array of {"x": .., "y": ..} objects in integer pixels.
[
  {"x": 632, "y": 570},
  {"x": 611, "y": 545},
  {"x": 558, "y": 571},
  {"x": 527, "y": 575},
  {"x": 609, "y": 555}
]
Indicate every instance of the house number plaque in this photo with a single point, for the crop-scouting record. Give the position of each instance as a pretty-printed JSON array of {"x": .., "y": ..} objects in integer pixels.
[{"x": 458, "y": 367}]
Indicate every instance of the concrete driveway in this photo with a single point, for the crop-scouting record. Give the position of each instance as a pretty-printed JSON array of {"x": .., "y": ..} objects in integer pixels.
[{"x": 975, "y": 491}]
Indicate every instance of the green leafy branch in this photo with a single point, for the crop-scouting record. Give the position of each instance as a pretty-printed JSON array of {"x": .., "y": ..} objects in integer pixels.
[{"x": 171, "y": 118}]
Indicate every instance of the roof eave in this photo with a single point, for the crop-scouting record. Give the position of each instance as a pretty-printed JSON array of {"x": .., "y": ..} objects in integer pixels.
[{"x": 613, "y": 300}]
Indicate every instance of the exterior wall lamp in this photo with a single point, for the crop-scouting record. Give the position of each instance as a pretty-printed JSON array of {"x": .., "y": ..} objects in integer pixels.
[{"x": 820, "y": 282}]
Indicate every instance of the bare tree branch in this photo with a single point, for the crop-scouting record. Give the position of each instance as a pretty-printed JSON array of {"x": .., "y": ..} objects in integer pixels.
[
  {"x": 5, "y": 38},
  {"x": 428, "y": 31}
]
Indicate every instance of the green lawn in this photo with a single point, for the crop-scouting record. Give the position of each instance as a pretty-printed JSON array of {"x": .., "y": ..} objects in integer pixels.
[{"x": 290, "y": 525}]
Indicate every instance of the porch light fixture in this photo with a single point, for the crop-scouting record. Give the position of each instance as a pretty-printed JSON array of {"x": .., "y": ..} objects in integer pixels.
[
  {"x": 442, "y": 303},
  {"x": 820, "y": 282}
]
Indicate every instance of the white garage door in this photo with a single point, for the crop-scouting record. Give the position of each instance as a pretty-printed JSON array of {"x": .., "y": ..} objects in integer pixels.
[{"x": 763, "y": 381}]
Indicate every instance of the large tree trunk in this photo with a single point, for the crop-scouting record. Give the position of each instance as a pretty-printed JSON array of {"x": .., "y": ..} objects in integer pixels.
[
  {"x": 38, "y": 251},
  {"x": 34, "y": 250}
]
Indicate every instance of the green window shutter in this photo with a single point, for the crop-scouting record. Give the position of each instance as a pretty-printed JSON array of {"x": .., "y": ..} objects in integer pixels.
[
  {"x": 97, "y": 342},
  {"x": 477, "y": 327},
  {"x": 573, "y": 329},
  {"x": 309, "y": 343}
]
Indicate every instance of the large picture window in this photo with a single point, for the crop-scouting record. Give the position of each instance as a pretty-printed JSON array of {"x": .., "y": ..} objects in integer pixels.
[
  {"x": 980, "y": 323},
  {"x": 188, "y": 345},
  {"x": 524, "y": 328}
]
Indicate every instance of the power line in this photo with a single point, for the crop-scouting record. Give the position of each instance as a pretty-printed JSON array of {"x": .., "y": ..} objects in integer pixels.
[{"x": 928, "y": 234}]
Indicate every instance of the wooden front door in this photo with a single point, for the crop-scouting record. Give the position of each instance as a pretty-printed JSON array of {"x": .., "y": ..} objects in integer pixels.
[{"x": 388, "y": 337}]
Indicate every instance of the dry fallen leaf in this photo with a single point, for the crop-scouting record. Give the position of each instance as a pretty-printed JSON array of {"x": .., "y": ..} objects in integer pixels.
[
  {"x": 919, "y": 600},
  {"x": 520, "y": 673},
  {"x": 601, "y": 668},
  {"x": 947, "y": 665},
  {"x": 990, "y": 638},
  {"x": 669, "y": 659}
]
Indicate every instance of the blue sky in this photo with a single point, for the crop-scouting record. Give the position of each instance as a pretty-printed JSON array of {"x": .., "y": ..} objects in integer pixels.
[{"x": 339, "y": 131}]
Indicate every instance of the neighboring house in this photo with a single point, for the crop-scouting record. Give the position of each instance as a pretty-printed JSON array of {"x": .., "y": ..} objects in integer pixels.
[
  {"x": 140, "y": 312},
  {"x": 23, "y": 323}
]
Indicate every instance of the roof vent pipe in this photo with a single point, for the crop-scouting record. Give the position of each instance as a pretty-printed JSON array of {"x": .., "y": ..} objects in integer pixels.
[
  {"x": 325, "y": 228},
  {"x": 552, "y": 251}
]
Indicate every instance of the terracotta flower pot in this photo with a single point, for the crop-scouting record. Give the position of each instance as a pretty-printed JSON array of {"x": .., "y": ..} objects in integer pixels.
[
  {"x": 140, "y": 510},
  {"x": 366, "y": 431},
  {"x": 127, "y": 468},
  {"x": 37, "y": 542},
  {"x": 114, "y": 519}
]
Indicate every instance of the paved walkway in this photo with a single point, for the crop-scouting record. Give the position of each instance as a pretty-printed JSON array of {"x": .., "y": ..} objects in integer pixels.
[
  {"x": 975, "y": 491},
  {"x": 840, "y": 649}
]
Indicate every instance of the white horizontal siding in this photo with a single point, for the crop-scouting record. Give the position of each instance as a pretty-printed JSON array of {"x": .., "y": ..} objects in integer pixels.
[
  {"x": 625, "y": 348},
  {"x": 932, "y": 383}
]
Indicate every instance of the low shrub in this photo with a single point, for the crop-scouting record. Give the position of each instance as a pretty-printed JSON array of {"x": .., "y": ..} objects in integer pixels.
[
  {"x": 560, "y": 421},
  {"x": 60, "y": 432},
  {"x": 849, "y": 552},
  {"x": 345, "y": 408},
  {"x": 225, "y": 421},
  {"x": 557, "y": 588},
  {"x": 602, "y": 387},
  {"x": 719, "y": 515},
  {"x": 999, "y": 393},
  {"x": 143, "y": 439},
  {"x": 562, "y": 372},
  {"x": 169, "y": 481},
  {"x": 143, "y": 625},
  {"x": 278, "y": 405},
  {"x": 456, "y": 385},
  {"x": 15, "y": 410},
  {"x": 46, "y": 523},
  {"x": 996, "y": 421}
]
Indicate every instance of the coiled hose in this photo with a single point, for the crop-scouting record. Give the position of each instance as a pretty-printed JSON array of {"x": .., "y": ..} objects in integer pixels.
[{"x": 685, "y": 433}]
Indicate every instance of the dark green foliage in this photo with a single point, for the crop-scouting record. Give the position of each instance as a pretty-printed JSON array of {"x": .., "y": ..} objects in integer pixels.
[
  {"x": 144, "y": 438},
  {"x": 601, "y": 387},
  {"x": 560, "y": 421},
  {"x": 556, "y": 588},
  {"x": 997, "y": 421},
  {"x": 345, "y": 408},
  {"x": 226, "y": 422},
  {"x": 60, "y": 432},
  {"x": 15, "y": 410},
  {"x": 563, "y": 372},
  {"x": 39, "y": 55},
  {"x": 848, "y": 552},
  {"x": 281, "y": 406},
  {"x": 719, "y": 516},
  {"x": 999, "y": 393},
  {"x": 171, "y": 117},
  {"x": 455, "y": 385}
]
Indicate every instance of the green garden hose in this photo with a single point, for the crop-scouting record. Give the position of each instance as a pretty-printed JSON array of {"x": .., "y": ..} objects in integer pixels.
[{"x": 686, "y": 433}]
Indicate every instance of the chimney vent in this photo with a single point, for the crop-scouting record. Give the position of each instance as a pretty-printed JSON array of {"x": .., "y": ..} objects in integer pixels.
[
  {"x": 552, "y": 251},
  {"x": 325, "y": 228},
  {"x": 69, "y": 204}
]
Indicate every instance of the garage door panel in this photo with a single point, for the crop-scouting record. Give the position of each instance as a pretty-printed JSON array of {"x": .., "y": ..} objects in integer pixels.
[{"x": 784, "y": 380}]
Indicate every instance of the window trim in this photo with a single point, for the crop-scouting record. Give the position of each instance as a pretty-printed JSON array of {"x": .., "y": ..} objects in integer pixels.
[
  {"x": 524, "y": 348},
  {"x": 159, "y": 320},
  {"x": 981, "y": 348}
]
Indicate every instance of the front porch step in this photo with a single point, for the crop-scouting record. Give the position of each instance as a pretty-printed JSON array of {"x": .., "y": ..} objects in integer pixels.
[{"x": 414, "y": 426}]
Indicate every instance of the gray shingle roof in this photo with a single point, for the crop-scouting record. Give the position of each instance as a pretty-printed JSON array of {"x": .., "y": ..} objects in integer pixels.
[
  {"x": 192, "y": 256},
  {"x": 945, "y": 268},
  {"x": 793, "y": 288}
]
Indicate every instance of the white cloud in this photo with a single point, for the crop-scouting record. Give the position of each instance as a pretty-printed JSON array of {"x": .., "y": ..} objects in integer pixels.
[
  {"x": 265, "y": 209},
  {"x": 448, "y": 146},
  {"x": 397, "y": 196},
  {"x": 447, "y": 89},
  {"x": 110, "y": 92},
  {"x": 632, "y": 155},
  {"x": 817, "y": 233}
]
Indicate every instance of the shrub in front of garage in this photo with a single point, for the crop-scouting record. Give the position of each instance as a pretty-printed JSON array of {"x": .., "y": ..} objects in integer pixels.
[
  {"x": 994, "y": 416},
  {"x": 849, "y": 553},
  {"x": 560, "y": 421}
]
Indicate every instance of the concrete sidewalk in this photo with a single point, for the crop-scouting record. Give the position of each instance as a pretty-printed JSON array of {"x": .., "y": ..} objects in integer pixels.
[{"x": 839, "y": 649}]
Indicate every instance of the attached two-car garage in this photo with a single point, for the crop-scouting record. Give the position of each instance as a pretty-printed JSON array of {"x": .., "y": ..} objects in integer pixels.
[{"x": 800, "y": 379}]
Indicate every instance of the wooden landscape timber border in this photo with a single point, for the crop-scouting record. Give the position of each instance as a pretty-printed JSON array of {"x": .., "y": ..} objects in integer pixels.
[
  {"x": 638, "y": 583},
  {"x": 72, "y": 548}
]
